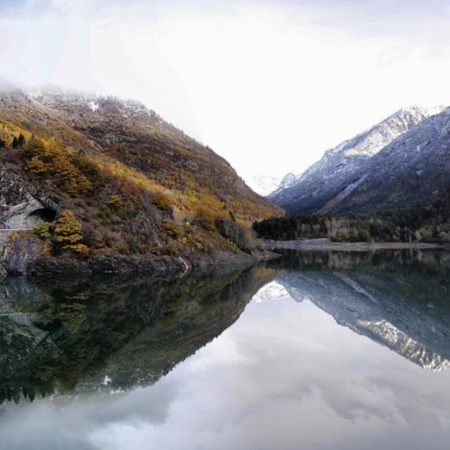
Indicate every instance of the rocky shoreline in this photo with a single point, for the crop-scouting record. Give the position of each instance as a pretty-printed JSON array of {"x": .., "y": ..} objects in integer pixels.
[
  {"x": 161, "y": 266},
  {"x": 24, "y": 257}
]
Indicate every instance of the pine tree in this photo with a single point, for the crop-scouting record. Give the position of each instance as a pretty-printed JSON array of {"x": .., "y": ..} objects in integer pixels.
[
  {"x": 34, "y": 147},
  {"x": 21, "y": 140},
  {"x": 68, "y": 232}
]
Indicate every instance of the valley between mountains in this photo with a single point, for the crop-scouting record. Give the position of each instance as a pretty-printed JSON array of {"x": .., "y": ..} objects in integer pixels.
[
  {"x": 96, "y": 184},
  {"x": 390, "y": 183}
]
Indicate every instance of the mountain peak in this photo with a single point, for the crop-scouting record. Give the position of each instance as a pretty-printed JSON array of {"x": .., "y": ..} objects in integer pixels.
[{"x": 342, "y": 169}]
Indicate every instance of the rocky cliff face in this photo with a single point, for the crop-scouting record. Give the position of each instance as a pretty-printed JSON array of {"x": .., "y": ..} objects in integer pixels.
[
  {"x": 413, "y": 169},
  {"x": 22, "y": 204},
  {"x": 388, "y": 160}
]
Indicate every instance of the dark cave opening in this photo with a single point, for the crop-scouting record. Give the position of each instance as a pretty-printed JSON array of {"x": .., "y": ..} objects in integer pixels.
[{"x": 45, "y": 214}]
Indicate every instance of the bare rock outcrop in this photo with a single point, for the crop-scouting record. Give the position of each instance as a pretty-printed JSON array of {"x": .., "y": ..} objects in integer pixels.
[{"x": 21, "y": 204}]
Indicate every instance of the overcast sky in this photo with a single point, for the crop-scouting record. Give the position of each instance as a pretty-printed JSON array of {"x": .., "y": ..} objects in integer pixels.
[{"x": 269, "y": 85}]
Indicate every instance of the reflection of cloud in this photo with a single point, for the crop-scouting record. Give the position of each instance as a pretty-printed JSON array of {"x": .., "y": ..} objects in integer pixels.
[
  {"x": 284, "y": 376},
  {"x": 74, "y": 423},
  {"x": 42, "y": 427},
  {"x": 140, "y": 406}
]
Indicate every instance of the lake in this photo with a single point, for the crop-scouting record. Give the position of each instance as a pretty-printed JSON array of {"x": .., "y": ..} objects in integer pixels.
[{"x": 323, "y": 350}]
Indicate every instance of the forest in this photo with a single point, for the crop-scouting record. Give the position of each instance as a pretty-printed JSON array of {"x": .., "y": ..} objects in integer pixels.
[{"x": 429, "y": 223}]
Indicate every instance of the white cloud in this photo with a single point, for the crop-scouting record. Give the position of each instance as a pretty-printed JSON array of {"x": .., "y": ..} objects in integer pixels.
[{"x": 268, "y": 85}]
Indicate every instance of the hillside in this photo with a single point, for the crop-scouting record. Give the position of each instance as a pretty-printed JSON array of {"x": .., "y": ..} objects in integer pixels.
[
  {"x": 399, "y": 162},
  {"x": 103, "y": 175}
]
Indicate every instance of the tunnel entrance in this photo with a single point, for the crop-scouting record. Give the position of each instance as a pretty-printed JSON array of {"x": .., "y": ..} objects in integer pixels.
[{"x": 45, "y": 214}]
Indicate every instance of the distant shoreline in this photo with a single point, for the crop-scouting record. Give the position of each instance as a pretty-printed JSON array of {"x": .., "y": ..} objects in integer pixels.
[{"x": 324, "y": 244}]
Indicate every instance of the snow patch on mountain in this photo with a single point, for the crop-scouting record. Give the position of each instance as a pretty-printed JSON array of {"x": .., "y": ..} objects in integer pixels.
[
  {"x": 270, "y": 292},
  {"x": 262, "y": 184},
  {"x": 94, "y": 106}
]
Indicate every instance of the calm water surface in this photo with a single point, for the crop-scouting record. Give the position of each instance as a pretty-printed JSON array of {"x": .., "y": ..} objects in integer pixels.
[{"x": 313, "y": 351}]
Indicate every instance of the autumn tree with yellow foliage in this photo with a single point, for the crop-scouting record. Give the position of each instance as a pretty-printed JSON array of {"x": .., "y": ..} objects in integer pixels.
[{"x": 68, "y": 233}]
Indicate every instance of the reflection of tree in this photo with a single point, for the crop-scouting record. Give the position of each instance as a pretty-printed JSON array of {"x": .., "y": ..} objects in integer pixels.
[
  {"x": 72, "y": 315},
  {"x": 133, "y": 331},
  {"x": 433, "y": 265},
  {"x": 69, "y": 314}
]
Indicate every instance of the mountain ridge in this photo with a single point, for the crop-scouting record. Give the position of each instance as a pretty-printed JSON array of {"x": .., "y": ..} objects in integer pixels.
[
  {"x": 133, "y": 183},
  {"x": 341, "y": 170}
]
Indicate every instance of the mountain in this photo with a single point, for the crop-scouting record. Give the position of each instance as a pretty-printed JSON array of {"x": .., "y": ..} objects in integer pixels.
[
  {"x": 263, "y": 185},
  {"x": 270, "y": 292},
  {"x": 125, "y": 179},
  {"x": 401, "y": 161}
]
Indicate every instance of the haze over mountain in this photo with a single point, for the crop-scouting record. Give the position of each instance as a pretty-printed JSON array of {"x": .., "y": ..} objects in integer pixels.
[{"x": 401, "y": 161}]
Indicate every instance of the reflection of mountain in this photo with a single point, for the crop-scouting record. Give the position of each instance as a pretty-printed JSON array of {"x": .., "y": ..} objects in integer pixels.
[
  {"x": 80, "y": 337},
  {"x": 396, "y": 299}
]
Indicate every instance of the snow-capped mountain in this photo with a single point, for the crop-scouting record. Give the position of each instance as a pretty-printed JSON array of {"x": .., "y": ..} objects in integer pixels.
[
  {"x": 262, "y": 184},
  {"x": 395, "y": 150},
  {"x": 270, "y": 292},
  {"x": 288, "y": 180}
]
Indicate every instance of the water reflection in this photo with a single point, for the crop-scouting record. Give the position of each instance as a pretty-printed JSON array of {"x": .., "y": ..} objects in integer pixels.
[
  {"x": 283, "y": 376},
  {"x": 400, "y": 299},
  {"x": 75, "y": 336}
]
